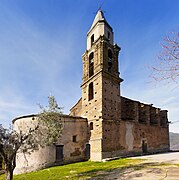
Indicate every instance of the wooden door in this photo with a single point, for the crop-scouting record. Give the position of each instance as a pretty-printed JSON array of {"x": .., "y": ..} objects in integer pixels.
[
  {"x": 59, "y": 153},
  {"x": 144, "y": 146}
]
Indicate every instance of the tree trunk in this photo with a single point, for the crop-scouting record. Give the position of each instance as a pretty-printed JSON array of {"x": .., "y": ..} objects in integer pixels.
[{"x": 9, "y": 174}]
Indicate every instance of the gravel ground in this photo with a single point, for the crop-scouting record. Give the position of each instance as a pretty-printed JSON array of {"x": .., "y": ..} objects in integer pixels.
[
  {"x": 171, "y": 157},
  {"x": 157, "y": 170},
  {"x": 163, "y": 166}
]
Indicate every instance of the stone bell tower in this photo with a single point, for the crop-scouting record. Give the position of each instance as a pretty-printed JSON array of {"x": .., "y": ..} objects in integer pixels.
[{"x": 101, "y": 88}]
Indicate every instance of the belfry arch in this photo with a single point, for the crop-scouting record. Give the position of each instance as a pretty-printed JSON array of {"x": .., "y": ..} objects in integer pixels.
[{"x": 91, "y": 64}]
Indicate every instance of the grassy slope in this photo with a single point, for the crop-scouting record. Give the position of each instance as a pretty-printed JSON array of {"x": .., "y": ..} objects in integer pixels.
[{"x": 82, "y": 170}]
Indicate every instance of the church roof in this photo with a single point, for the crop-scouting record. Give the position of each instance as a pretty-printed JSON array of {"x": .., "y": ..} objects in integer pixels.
[{"x": 99, "y": 18}]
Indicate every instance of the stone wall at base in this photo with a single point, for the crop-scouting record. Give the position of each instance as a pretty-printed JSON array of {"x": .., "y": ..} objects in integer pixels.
[{"x": 127, "y": 138}]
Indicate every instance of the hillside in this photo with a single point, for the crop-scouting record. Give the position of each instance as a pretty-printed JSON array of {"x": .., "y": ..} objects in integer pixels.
[{"x": 174, "y": 141}]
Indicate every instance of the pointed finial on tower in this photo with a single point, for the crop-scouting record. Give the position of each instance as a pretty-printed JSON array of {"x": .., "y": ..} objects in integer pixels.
[{"x": 100, "y": 8}]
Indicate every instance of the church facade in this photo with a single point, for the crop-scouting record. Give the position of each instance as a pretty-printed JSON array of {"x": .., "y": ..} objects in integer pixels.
[{"x": 103, "y": 124}]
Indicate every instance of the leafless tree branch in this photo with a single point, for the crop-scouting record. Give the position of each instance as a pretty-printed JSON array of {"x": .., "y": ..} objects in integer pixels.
[{"x": 167, "y": 67}]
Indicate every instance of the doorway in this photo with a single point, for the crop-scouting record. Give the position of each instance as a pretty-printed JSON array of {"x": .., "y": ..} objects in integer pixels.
[
  {"x": 87, "y": 151},
  {"x": 144, "y": 146},
  {"x": 59, "y": 153}
]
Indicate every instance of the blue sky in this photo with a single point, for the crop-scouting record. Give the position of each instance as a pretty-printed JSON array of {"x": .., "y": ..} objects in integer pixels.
[{"x": 42, "y": 41}]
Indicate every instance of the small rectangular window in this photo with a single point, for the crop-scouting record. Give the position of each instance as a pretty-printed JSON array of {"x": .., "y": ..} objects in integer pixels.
[{"x": 74, "y": 139}]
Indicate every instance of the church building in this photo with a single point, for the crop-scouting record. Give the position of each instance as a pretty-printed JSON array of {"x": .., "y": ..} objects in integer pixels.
[{"x": 103, "y": 124}]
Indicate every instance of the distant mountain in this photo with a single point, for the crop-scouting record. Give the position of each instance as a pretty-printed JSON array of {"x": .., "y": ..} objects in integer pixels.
[{"x": 174, "y": 141}]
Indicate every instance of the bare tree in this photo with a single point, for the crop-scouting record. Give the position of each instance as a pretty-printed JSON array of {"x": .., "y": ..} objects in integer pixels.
[
  {"x": 168, "y": 65},
  {"x": 46, "y": 130}
]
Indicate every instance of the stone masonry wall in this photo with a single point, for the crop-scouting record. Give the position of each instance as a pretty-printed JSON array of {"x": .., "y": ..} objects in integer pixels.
[
  {"x": 140, "y": 123},
  {"x": 125, "y": 138},
  {"x": 132, "y": 134},
  {"x": 73, "y": 151},
  {"x": 76, "y": 109}
]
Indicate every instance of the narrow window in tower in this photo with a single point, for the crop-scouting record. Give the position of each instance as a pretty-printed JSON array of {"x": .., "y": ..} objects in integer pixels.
[
  {"x": 90, "y": 92},
  {"x": 108, "y": 35},
  {"x": 91, "y": 125},
  {"x": 91, "y": 64},
  {"x": 74, "y": 138},
  {"x": 92, "y": 39},
  {"x": 109, "y": 60}
]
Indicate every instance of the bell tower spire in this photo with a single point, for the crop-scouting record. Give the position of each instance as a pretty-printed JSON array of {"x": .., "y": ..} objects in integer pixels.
[{"x": 99, "y": 27}]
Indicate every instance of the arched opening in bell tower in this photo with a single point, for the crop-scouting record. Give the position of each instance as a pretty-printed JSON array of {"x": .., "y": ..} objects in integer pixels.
[
  {"x": 90, "y": 92},
  {"x": 91, "y": 64},
  {"x": 92, "y": 39},
  {"x": 109, "y": 60}
]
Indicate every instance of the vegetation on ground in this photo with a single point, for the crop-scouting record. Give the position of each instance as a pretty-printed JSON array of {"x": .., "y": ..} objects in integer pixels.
[{"x": 86, "y": 170}]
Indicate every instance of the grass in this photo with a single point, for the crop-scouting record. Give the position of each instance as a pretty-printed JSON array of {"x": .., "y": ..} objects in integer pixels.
[
  {"x": 82, "y": 170},
  {"x": 86, "y": 170}
]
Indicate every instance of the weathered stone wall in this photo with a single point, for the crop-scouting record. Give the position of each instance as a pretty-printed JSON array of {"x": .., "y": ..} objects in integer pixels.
[
  {"x": 72, "y": 151},
  {"x": 125, "y": 138},
  {"x": 142, "y": 113},
  {"x": 151, "y": 125},
  {"x": 154, "y": 116},
  {"x": 111, "y": 99},
  {"x": 129, "y": 109},
  {"x": 140, "y": 123},
  {"x": 92, "y": 109},
  {"x": 74, "y": 126},
  {"x": 163, "y": 118},
  {"x": 111, "y": 138},
  {"x": 132, "y": 134},
  {"x": 76, "y": 109}
]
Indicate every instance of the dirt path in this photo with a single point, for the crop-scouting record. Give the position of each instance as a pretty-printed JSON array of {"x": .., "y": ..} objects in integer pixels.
[
  {"x": 148, "y": 173},
  {"x": 171, "y": 157},
  {"x": 154, "y": 167}
]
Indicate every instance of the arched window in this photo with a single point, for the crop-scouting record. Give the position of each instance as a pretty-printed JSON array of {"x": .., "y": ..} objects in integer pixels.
[
  {"x": 109, "y": 60},
  {"x": 91, "y": 125},
  {"x": 108, "y": 35},
  {"x": 91, "y": 64},
  {"x": 90, "y": 92},
  {"x": 92, "y": 39}
]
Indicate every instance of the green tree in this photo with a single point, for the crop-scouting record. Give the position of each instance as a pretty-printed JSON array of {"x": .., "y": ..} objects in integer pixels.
[{"x": 46, "y": 130}]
